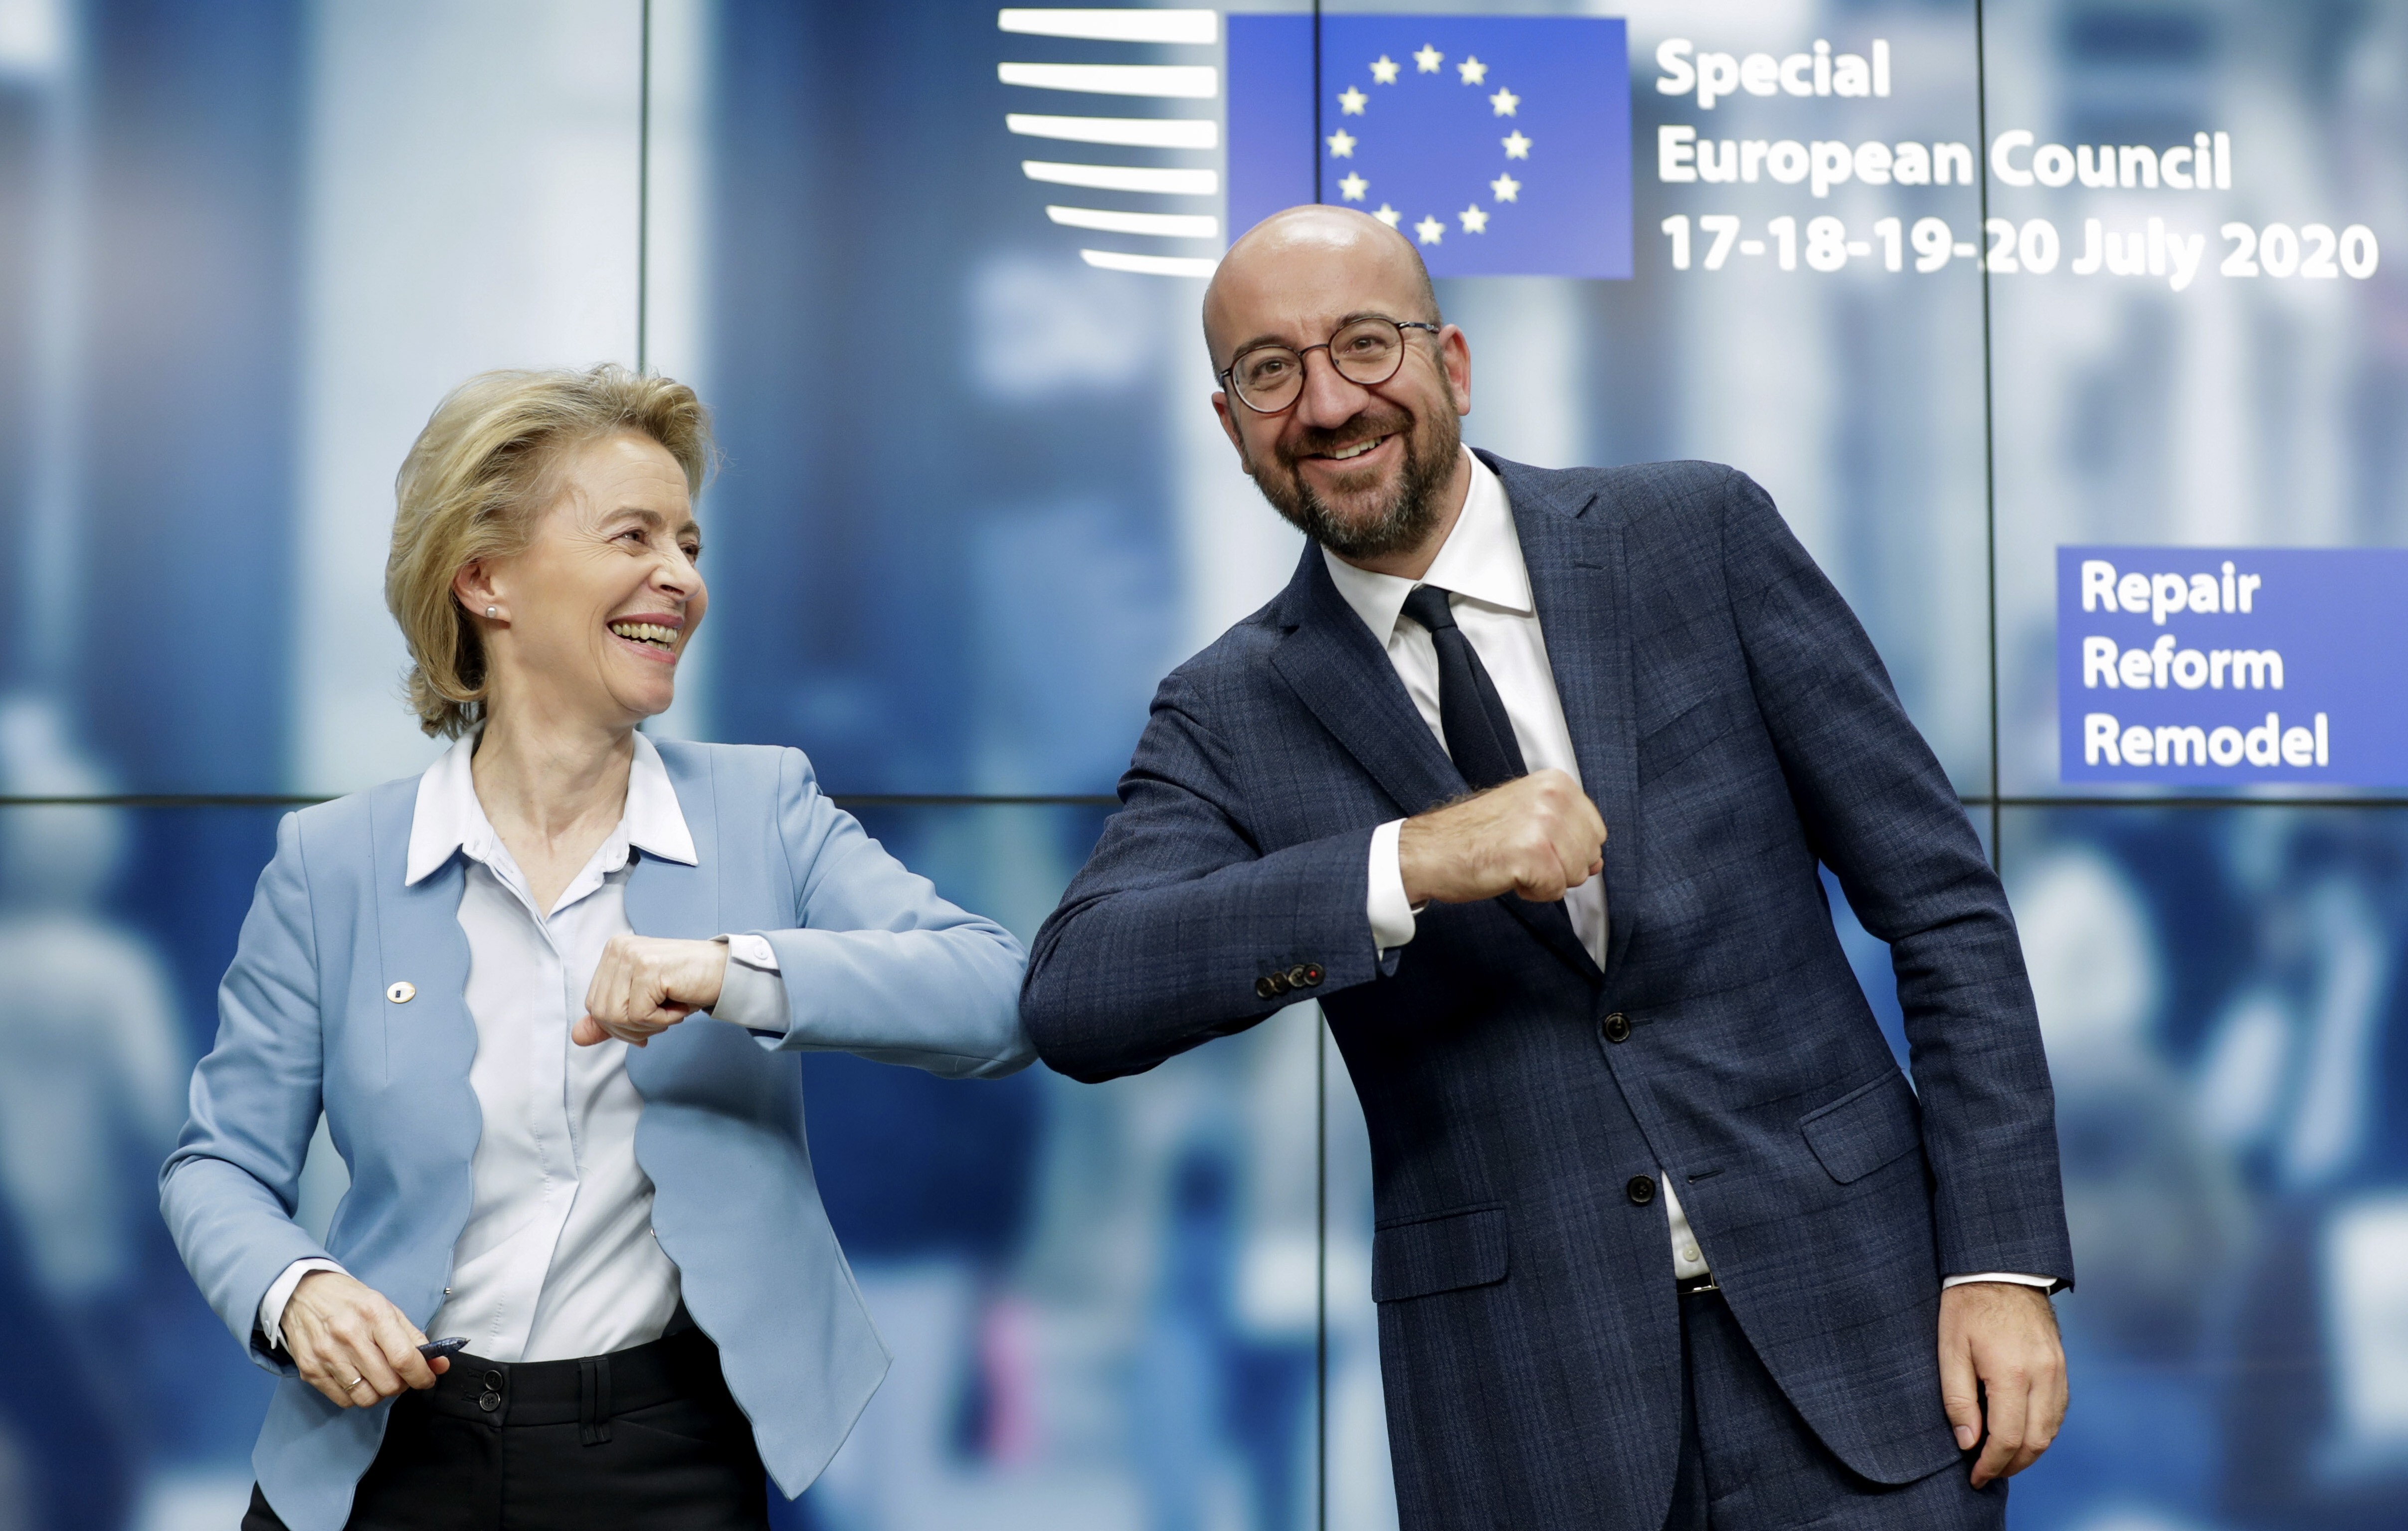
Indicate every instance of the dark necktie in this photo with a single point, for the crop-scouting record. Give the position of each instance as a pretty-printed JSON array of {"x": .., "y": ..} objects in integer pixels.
[{"x": 1479, "y": 735}]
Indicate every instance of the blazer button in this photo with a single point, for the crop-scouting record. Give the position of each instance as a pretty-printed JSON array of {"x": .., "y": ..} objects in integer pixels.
[
  {"x": 1302, "y": 977},
  {"x": 1641, "y": 1190},
  {"x": 1313, "y": 974},
  {"x": 1266, "y": 989},
  {"x": 1617, "y": 1027}
]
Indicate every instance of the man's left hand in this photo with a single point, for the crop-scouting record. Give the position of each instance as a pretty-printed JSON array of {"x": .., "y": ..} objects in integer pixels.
[
  {"x": 2003, "y": 1337},
  {"x": 645, "y": 984}
]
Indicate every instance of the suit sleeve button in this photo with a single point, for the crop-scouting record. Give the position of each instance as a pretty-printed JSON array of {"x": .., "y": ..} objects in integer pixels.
[
  {"x": 1313, "y": 974},
  {"x": 1640, "y": 1190},
  {"x": 1617, "y": 1027},
  {"x": 1299, "y": 977},
  {"x": 1265, "y": 989}
]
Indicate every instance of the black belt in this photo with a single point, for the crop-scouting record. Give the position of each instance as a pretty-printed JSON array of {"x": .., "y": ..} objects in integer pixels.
[
  {"x": 1690, "y": 1286},
  {"x": 588, "y": 1392}
]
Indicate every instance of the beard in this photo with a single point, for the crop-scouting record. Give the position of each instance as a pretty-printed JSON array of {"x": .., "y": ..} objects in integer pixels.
[{"x": 1410, "y": 509}]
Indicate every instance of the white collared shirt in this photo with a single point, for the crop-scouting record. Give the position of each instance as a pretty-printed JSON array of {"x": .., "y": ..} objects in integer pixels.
[
  {"x": 557, "y": 1259},
  {"x": 1481, "y": 564}
]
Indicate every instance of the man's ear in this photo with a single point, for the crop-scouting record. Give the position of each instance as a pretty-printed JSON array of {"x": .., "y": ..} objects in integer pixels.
[
  {"x": 1230, "y": 428},
  {"x": 1454, "y": 355}
]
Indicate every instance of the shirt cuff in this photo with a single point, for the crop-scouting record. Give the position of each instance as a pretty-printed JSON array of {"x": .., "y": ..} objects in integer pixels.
[
  {"x": 753, "y": 995},
  {"x": 2046, "y": 1283},
  {"x": 1390, "y": 911},
  {"x": 280, "y": 1292}
]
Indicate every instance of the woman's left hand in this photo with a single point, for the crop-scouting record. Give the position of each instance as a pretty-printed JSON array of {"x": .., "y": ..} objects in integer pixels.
[{"x": 645, "y": 984}]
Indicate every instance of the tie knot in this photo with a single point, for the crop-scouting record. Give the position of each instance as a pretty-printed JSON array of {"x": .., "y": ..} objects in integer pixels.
[{"x": 1427, "y": 606}]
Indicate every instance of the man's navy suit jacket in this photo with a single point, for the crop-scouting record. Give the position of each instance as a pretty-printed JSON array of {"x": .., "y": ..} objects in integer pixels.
[{"x": 1735, "y": 728}]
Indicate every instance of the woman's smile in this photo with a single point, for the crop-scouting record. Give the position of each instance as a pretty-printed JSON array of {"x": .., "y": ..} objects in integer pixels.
[{"x": 653, "y": 635}]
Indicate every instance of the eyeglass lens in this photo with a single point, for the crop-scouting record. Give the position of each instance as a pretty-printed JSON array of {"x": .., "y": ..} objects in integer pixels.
[{"x": 1367, "y": 352}]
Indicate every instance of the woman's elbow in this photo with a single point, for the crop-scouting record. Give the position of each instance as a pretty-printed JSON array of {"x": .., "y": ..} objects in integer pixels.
[{"x": 1001, "y": 1044}]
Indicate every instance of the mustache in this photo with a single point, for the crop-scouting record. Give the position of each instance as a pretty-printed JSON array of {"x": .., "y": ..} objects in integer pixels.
[{"x": 1363, "y": 427}]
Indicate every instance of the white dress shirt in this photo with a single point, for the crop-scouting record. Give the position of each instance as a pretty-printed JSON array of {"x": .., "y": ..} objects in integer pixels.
[
  {"x": 1481, "y": 565},
  {"x": 557, "y": 1259}
]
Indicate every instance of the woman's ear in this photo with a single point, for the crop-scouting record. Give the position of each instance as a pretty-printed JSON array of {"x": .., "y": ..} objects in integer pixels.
[{"x": 476, "y": 588}]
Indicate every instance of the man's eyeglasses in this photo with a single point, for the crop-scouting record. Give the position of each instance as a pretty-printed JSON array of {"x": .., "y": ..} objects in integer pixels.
[{"x": 1366, "y": 352}]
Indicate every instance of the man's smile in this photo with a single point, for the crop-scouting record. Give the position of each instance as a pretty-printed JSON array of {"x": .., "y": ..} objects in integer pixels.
[{"x": 1353, "y": 451}]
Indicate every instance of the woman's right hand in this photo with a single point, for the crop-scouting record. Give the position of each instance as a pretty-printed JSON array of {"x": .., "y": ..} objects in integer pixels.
[{"x": 352, "y": 1344}]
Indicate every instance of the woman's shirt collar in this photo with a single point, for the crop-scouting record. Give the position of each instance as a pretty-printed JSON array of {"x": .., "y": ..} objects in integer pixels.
[{"x": 449, "y": 818}]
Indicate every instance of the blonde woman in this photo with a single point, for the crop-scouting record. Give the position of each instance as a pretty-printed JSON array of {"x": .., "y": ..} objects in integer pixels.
[{"x": 547, "y": 996}]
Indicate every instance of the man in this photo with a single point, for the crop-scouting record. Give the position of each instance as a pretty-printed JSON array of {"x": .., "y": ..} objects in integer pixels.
[{"x": 1664, "y": 1238}]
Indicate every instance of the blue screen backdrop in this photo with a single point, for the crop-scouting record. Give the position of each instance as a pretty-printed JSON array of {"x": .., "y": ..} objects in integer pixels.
[{"x": 936, "y": 267}]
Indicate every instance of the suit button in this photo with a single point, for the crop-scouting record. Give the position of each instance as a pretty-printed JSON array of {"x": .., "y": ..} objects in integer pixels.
[
  {"x": 1641, "y": 1190},
  {"x": 489, "y": 1400},
  {"x": 1300, "y": 977},
  {"x": 1617, "y": 1027},
  {"x": 1266, "y": 989},
  {"x": 1312, "y": 974}
]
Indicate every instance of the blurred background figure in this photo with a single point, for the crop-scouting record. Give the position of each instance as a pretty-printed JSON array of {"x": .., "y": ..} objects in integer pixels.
[
  {"x": 2149, "y": 1195},
  {"x": 89, "y": 1102}
]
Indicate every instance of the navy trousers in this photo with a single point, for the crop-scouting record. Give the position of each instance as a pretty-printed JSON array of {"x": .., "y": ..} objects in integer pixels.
[{"x": 1750, "y": 1462}]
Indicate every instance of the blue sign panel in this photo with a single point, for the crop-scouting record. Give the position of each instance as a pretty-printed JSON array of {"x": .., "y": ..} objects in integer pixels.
[
  {"x": 1271, "y": 117},
  {"x": 2228, "y": 665},
  {"x": 1500, "y": 145}
]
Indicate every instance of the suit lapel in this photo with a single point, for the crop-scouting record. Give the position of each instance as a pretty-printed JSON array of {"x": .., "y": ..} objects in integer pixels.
[
  {"x": 1577, "y": 578},
  {"x": 1340, "y": 672},
  {"x": 430, "y": 1040},
  {"x": 418, "y": 927}
]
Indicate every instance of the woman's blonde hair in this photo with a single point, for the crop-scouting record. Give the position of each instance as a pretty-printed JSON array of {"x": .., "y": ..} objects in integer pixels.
[{"x": 471, "y": 488}]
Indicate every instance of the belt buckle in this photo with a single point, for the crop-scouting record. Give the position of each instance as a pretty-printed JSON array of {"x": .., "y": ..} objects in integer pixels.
[{"x": 1693, "y": 1286}]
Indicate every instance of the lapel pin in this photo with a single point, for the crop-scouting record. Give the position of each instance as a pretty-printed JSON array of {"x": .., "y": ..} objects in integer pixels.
[{"x": 402, "y": 993}]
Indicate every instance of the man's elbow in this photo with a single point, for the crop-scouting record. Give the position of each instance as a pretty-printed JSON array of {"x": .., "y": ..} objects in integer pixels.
[
  {"x": 1090, "y": 1065},
  {"x": 1068, "y": 1032}
]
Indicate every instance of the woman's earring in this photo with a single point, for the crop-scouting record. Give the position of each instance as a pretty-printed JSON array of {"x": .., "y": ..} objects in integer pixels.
[{"x": 493, "y": 612}]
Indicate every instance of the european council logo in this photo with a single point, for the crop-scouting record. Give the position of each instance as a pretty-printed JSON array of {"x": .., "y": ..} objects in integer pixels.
[{"x": 1499, "y": 145}]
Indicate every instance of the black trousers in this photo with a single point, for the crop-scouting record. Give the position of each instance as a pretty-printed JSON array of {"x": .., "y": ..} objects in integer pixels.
[
  {"x": 1749, "y": 1461},
  {"x": 644, "y": 1437}
]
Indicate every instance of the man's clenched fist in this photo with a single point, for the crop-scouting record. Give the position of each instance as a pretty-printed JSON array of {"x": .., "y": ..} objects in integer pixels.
[{"x": 1536, "y": 837}]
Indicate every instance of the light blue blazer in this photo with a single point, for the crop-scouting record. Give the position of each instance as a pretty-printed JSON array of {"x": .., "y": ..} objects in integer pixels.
[{"x": 874, "y": 963}]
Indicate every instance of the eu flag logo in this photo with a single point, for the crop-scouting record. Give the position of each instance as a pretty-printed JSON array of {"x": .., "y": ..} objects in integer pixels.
[{"x": 1499, "y": 145}]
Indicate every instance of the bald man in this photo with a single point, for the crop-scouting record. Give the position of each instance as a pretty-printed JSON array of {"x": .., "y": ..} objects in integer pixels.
[{"x": 1527, "y": 778}]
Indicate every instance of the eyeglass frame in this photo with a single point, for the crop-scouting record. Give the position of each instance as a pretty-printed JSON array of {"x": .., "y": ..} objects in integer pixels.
[{"x": 1227, "y": 374}]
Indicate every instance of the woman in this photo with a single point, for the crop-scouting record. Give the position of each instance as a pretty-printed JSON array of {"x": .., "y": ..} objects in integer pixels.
[{"x": 453, "y": 967}]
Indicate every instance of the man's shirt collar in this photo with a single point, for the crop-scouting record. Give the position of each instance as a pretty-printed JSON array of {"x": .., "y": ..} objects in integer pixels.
[
  {"x": 1480, "y": 561},
  {"x": 449, "y": 818}
]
